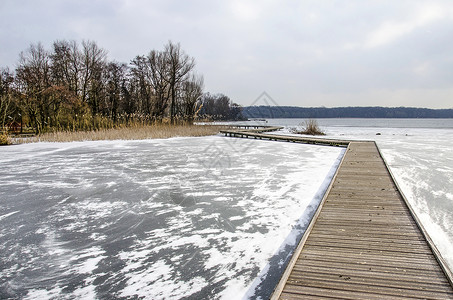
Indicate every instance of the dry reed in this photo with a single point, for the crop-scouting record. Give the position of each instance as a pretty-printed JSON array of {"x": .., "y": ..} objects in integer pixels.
[
  {"x": 4, "y": 139},
  {"x": 311, "y": 127},
  {"x": 160, "y": 131}
]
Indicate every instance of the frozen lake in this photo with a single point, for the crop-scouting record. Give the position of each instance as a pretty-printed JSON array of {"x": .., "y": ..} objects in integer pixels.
[{"x": 208, "y": 217}]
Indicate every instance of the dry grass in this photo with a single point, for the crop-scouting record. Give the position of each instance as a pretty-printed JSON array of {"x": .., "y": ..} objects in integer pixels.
[
  {"x": 311, "y": 127},
  {"x": 129, "y": 133},
  {"x": 4, "y": 139}
]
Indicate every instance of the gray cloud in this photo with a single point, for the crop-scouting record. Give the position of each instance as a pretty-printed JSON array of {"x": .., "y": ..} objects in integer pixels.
[{"x": 308, "y": 53}]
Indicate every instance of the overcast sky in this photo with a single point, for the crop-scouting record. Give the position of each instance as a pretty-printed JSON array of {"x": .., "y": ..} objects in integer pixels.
[{"x": 302, "y": 53}]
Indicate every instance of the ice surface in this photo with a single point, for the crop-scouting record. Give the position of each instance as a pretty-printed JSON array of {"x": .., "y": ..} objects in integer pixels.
[
  {"x": 185, "y": 217},
  {"x": 422, "y": 162}
]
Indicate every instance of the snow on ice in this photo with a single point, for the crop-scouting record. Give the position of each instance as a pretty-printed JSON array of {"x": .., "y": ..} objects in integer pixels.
[{"x": 183, "y": 217}]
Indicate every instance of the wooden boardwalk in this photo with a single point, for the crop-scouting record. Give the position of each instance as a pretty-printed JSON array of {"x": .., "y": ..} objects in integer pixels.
[
  {"x": 257, "y": 133},
  {"x": 364, "y": 241}
]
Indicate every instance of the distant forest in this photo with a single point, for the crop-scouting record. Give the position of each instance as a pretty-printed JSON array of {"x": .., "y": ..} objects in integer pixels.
[
  {"x": 75, "y": 87},
  {"x": 267, "y": 112}
]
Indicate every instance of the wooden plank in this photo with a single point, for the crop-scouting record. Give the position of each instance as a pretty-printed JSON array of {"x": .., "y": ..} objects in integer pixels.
[
  {"x": 317, "y": 293},
  {"x": 381, "y": 240},
  {"x": 367, "y": 255},
  {"x": 308, "y": 291},
  {"x": 365, "y": 226},
  {"x": 370, "y": 262},
  {"x": 384, "y": 246},
  {"x": 371, "y": 279},
  {"x": 392, "y": 287},
  {"x": 344, "y": 233},
  {"x": 375, "y": 271}
]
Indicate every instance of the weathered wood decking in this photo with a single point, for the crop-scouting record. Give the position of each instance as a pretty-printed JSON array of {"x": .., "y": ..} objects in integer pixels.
[
  {"x": 364, "y": 241},
  {"x": 364, "y": 244}
]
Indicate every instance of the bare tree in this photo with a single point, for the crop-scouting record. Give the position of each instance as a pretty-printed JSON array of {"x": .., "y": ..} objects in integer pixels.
[
  {"x": 129, "y": 103},
  {"x": 115, "y": 76},
  {"x": 158, "y": 75},
  {"x": 66, "y": 65},
  {"x": 191, "y": 92},
  {"x": 6, "y": 107},
  {"x": 140, "y": 85},
  {"x": 93, "y": 64},
  {"x": 179, "y": 65},
  {"x": 33, "y": 74}
]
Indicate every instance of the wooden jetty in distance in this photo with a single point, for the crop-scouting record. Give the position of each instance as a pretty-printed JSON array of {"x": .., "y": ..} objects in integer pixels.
[
  {"x": 365, "y": 241},
  {"x": 256, "y": 132}
]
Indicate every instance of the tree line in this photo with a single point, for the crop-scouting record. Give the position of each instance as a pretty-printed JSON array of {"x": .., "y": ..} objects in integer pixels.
[
  {"x": 344, "y": 112},
  {"x": 75, "y": 87}
]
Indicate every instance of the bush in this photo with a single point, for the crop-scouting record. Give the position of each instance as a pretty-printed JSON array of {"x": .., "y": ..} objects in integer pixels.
[
  {"x": 311, "y": 127},
  {"x": 4, "y": 139}
]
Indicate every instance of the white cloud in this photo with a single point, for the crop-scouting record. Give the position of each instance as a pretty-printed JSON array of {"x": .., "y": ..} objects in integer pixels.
[
  {"x": 423, "y": 69},
  {"x": 391, "y": 30},
  {"x": 291, "y": 49},
  {"x": 246, "y": 10}
]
